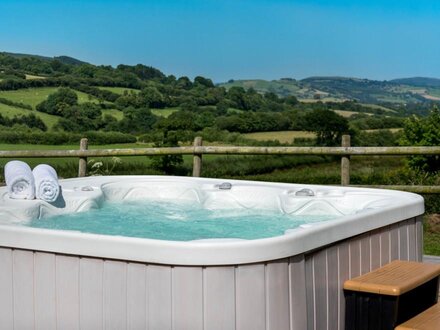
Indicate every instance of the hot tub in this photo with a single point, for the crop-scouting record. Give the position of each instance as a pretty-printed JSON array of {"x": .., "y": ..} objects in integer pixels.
[{"x": 70, "y": 279}]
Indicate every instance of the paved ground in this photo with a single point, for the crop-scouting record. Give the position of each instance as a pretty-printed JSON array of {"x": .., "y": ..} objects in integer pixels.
[{"x": 431, "y": 259}]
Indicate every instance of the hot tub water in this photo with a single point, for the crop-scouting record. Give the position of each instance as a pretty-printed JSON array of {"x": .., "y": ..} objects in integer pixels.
[{"x": 177, "y": 221}]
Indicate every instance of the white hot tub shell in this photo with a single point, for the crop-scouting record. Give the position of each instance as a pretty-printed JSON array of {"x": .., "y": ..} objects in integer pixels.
[{"x": 64, "y": 279}]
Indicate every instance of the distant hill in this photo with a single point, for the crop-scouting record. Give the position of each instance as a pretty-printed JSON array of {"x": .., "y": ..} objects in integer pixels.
[
  {"x": 63, "y": 59},
  {"x": 418, "y": 81},
  {"x": 69, "y": 60},
  {"x": 399, "y": 91},
  {"x": 320, "y": 88}
]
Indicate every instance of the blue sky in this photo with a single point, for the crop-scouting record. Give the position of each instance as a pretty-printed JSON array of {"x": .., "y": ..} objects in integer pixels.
[{"x": 234, "y": 39}]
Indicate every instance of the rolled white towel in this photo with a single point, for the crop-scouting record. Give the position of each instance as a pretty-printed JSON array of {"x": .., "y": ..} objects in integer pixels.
[
  {"x": 19, "y": 180},
  {"x": 47, "y": 187}
]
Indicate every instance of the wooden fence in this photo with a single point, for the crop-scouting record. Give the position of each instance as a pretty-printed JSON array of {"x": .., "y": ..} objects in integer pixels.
[{"x": 198, "y": 150}]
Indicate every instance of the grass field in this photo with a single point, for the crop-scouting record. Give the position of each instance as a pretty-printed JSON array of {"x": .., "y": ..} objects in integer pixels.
[
  {"x": 164, "y": 112},
  {"x": 323, "y": 99},
  {"x": 282, "y": 136},
  {"x": 32, "y": 77},
  {"x": 10, "y": 112},
  {"x": 118, "y": 90},
  {"x": 348, "y": 114},
  {"x": 393, "y": 130},
  {"x": 434, "y": 91},
  {"x": 376, "y": 106},
  {"x": 34, "y": 96},
  {"x": 118, "y": 114}
]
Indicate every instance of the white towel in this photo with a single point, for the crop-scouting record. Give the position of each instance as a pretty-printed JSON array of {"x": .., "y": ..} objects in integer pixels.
[
  {"x": 47, "y": 187},
  {"x": 19, "y": 180}
]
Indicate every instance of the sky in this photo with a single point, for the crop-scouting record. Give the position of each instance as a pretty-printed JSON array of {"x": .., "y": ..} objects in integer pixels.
[{"x": 234, "y": 39}]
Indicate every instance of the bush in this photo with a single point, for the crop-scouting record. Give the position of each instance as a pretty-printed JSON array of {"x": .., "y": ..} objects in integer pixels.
[
  {"x": 15, "y": 104},
  {"x": 380, "y": 138},
  {"x": 241, "y": 166},
  {"x": 168, "y": 164},
  {"x": 423, "y": 132},
  {"x": 14, "y": 136}
]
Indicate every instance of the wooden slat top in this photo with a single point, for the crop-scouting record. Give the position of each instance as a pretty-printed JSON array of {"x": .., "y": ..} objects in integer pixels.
[
  {"x": 428, "y": 320},
  {"x": 394, "y": 278}
]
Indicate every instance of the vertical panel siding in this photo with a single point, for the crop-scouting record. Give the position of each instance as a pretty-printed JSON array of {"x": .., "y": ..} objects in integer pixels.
[
  {"x": 385, "y": 251},
  {"x": 136, "y": 296},
  {"x": 411, "y": 224},
  {"x": 419, "y": 238},
  {"x": 250, "y": 297},
  {"x": 91, "y": 293},
  {"x": 364, "y": 241},
  {"x": 355, "y": 257},
  {"x": 310, "y": 292},
  {"x": 67, "y": 287},
  {"x": 394, "y": 242},
  {"x": 344, "y": 274},
  {"x": 115, "y": 295},
  {"x": 187, "y": 286},
  {"x": 6, "y": 285},
  {"x": 297, "y": 293},
  {"x": 320, "y": 288},
  {"x": 159, "y": 297},
  {"x": 45, "y": 291},
  {"x": 333, "y": 287},
  {"x": 375, "y": 249},
  {"x": 277, "y": 295},
  {"x": 219, "y": 298},
  {"x": 23, "y": 272},
  {"x": 403, "y": 241}
]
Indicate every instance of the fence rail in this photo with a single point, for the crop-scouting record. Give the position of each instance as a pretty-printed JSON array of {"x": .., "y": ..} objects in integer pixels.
[
  {"x": 216, "y": 150},
  {"x": 198, "y": 150}
]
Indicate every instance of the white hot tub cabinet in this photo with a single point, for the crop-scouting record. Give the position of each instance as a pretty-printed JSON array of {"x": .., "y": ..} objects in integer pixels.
[{"x": 53, "y": 279}]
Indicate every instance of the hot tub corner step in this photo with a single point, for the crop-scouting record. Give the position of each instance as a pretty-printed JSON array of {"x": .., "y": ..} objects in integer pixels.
[{"x": 391, "y": 295}]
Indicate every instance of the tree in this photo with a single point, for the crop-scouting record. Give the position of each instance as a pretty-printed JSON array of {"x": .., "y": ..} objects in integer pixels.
[
  {"x": 236, "y": 96},
  {"x": 179, "y": 120},
  {"x": 184, "y": 83},
  {"x": 58, "y": 101},
  {"x": 291, "y": 100},
  {"x": 423, "y": 132},
  {"x": 203, "y": 81},
  {"x": 137, "y": 120},
  {"x": 81, "y": 118},
  {"x": 152, "y": 98},
  {"x": 167, "y": 164},
  {"x": 328, "y": 126}
]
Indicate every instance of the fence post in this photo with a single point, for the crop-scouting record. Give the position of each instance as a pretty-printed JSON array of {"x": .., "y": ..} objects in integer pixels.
[
  {"x": 197, "y": 158},
  {"x": 82, "y": 166},
  {"x": 345, "y": 162}
]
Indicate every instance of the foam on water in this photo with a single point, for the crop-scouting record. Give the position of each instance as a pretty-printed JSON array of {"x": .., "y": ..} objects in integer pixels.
[{"x": 177, "y": 222}]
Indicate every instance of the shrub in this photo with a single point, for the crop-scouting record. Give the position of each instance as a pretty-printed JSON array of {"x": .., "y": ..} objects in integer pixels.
[
  {"x": 16, "y": 136},
  {"x": 423, "y": 132}
]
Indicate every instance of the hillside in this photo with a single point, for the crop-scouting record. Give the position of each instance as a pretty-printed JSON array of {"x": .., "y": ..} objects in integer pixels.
[
  {"x": 62, "y": 94},
  {"x": 63, "y": 59},
  {"x": 400, "y": 91},
  {"x": 418, "y": 81}
]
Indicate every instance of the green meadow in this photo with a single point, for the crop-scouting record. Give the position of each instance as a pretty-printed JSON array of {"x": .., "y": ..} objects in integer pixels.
[
  {"x": 9, "y": 111},
  {"x": 118, "y": 90},
  {"x": 34, "y": 96}
]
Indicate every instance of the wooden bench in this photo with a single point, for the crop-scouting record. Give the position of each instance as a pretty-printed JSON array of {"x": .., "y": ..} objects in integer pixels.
[
  {"x": 390, "y": 295},
  {"x": 428, "y": 320}
]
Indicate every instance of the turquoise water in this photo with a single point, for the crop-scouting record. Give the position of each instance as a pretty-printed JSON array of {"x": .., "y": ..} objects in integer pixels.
[{"x": 177, "y": 222}]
